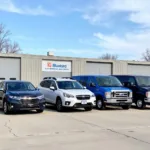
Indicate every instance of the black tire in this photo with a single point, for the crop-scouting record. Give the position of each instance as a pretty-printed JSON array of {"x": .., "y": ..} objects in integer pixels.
[
  {"x": 5, "y": 108},
  {"x": 126, "y": 107},
  {"x": 140, "y": 104},
  {"x": 88, "y": 108},
  {"x": 99, "y": 104},
  {"x": 59, "y": 106},
  {"x": 39, "y": 110}
]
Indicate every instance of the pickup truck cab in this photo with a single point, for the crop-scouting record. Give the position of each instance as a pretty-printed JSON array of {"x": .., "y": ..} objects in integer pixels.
[
  {"x": 140, "y": 86},
  {"x": 107, "y": 89}
]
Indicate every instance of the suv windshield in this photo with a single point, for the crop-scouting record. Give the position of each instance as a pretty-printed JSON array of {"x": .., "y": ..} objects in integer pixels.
[
  {"x": 20, "y": 86},
  {"x": 69, "y": 85},
  {"x": 143, "y": 81},
  {"x": 108, "y": 81}
]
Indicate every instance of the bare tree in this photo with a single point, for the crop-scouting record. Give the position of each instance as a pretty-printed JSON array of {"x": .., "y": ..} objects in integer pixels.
[
  {"x": 109, "y": 57},
  {"x": 6, "y": 46},
  {"x": 146, "y": 55}
]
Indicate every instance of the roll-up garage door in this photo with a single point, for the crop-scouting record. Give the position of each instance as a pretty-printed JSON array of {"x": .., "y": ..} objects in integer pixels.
[
  {"x": 98, "y": 68},
  {"x": 138, "y": 69},
  {"x": 56, "y": 68},
  {"x": 9, "y": 69}
]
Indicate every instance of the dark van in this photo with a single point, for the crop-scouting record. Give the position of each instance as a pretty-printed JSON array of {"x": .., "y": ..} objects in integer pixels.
[{"x": 140, "y": 86}]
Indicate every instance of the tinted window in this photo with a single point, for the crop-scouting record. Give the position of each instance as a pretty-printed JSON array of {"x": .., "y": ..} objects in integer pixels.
[
  {"x": 19, "y": 86},
  {"x": 91, "y": 81},
  {"x": 127, "y": 79},
  {"x": 42, "y": 84},
  {"x": 108, "y": 81},
  {"x": 83, "y": 81},
  {"x": 53, "y": 84},
  {"x": 47, "y": 84},
  {"x": 143, "y": 81},
  {"x": 69, "y": 85}
]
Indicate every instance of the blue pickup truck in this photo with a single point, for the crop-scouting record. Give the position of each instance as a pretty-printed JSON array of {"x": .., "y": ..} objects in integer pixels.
[{"x": 107, "y": 89}]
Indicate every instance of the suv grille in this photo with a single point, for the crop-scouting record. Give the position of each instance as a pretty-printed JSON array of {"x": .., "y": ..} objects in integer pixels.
[
  {"x": 32, "y": 101},
  {"x": 83, "y": 97},
  {"x": 120, "y": 94}
]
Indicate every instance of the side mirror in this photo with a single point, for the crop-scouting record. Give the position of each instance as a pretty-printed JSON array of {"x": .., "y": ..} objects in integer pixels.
[
  {"x": 92, "y": 85},
  {"x": 84, "y": 87},
  {"x": 132, "y": 84},
  {"x": 52, "y": 88}
]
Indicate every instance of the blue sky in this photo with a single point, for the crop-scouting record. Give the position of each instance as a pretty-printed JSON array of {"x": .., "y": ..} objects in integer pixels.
[{"x": 79, "y": 28}]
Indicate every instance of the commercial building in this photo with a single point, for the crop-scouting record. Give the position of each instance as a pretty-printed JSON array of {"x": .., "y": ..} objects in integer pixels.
[{"x": 35, "y": 67}]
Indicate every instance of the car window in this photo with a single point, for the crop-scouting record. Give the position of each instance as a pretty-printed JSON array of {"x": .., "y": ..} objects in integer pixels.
[
  {"x": 83, "y": 81},
  {"x": 47, "y": 84},
  {"x": 127, "y": 79},
  {"x": 53, "y": 84},
  {"x": 42, "y": 84},
  {"x": 91, "y": 80},
  {"x": 20, "y": 86}
]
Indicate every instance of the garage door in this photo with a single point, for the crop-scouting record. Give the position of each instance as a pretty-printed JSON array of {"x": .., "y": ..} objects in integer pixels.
[
  {"x": 139, "y": 69},
  {"x": 98, "y": 68},
  {"x": 9, "y": 69},
  {"x": 56, "y": 69}
]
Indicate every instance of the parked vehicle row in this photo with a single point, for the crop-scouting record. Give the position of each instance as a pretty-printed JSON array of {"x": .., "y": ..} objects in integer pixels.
[{"x": 76, "y": 92}]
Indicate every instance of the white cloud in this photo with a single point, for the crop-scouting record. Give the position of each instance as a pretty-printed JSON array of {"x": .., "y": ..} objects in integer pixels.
[
  {"x": 9, "y": 6},
  {"x": 101, "y": 11},
  {"x": 75, "y": 51},
  {"x": 133, "y": 44}
]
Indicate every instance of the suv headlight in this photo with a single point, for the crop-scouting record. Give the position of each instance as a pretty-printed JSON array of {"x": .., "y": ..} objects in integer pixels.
[
  {"x": 15, "y": 97},
  {"x": 148, "y": 94},
  {"x": 92, "y": 95},
  {"x": 68, "y": 95},
  {"x": 40, "y": 97},
  {"x": 108, "y": 94}
]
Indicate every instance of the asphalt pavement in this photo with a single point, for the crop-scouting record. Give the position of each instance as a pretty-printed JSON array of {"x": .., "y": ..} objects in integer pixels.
[{"x": 112, "y": 129}]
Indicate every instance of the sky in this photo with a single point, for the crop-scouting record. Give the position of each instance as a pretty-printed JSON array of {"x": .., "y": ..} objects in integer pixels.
[{"x": 79, "y": 28}]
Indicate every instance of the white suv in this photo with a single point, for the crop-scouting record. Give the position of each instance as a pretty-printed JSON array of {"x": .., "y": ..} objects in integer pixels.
[{"x": 67, "y": 93}]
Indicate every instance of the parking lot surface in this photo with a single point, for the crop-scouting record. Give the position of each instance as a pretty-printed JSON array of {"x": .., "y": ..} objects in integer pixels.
[{"x": 76, "y": 129}]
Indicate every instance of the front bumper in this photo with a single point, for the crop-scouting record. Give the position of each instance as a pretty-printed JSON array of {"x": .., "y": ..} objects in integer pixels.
[
  {"x": 118, "y": 102},
  {"x": 73, "y": 102},
  {"x": 18, "y": 105}
]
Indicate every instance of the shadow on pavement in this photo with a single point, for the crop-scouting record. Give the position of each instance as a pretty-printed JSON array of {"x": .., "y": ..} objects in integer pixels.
[
  {"x": 134, "y": 107},
  {"x": 19, "y": 113},
  {"x": 52, "y": 108}
]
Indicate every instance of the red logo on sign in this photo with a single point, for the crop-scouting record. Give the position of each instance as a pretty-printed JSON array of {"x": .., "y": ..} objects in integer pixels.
[{"x": 49, "y": 64}]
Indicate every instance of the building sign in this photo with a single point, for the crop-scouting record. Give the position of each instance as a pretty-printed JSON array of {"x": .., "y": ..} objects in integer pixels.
[{"x": 56, "y": 66}]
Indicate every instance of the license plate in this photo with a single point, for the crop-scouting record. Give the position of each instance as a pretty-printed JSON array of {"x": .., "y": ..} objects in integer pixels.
[
  {"x": 84, "y": 102},
  {"x": 122, "y": 103}
]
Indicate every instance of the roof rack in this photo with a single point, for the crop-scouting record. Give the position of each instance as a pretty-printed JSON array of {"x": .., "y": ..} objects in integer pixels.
[{"x": 46, "y": 78}]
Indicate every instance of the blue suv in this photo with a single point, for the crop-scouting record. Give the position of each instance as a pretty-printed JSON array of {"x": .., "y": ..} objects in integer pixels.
[{"x": 107, "y": 89}]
